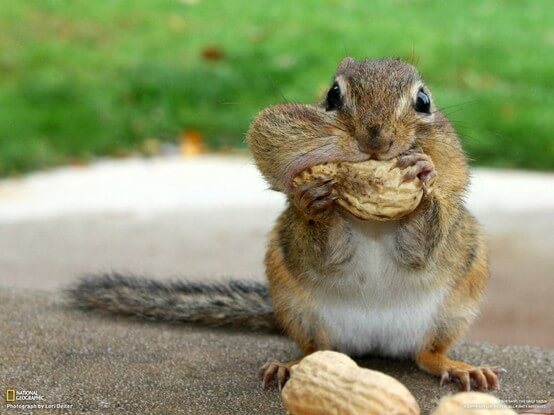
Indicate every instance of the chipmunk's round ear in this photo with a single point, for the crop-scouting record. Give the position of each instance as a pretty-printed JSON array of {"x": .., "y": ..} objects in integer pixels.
[{"x": 345, "y": 63}]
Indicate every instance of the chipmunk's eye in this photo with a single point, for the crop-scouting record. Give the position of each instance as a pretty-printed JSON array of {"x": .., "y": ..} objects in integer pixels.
[
  {"x": 334, "y": 100},
  {"x": 422, "y": 102}
]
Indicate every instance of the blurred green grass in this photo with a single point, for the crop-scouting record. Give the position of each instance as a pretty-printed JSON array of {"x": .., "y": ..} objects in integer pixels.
[{"x": 81, "y": 79}]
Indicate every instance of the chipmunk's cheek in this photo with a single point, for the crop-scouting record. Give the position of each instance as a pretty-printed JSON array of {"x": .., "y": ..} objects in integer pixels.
[
  {"x": 422, "y": 131},
  {"x": 409, "y": 142}
]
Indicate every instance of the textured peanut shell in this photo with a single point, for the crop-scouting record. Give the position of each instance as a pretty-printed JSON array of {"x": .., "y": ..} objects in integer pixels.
[
  {"x": 369, "y": 190},
  {"x": 474, "y": 403},
  {"x": 331, "y": 383}
]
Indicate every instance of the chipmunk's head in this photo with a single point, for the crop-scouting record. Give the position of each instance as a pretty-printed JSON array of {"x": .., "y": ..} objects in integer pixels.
[
  {"x": 374, "y": 109},
  {"x": 383, "y": 104}
]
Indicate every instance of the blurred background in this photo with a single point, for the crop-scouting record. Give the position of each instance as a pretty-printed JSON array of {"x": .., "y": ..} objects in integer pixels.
[
  {"x": 111, "y": 78},
  {"x": 122, "y": 128}
]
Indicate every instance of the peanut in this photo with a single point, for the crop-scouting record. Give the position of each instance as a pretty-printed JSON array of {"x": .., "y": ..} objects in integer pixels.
[
  {"x": 331, "y": 383},
  {"x": 369, "y": 190}
]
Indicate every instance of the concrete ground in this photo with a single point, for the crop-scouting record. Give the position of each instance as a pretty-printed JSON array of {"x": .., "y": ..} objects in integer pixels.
[
  {"x": 207, "y": 218},
  {"x": 102, "y": 365}
]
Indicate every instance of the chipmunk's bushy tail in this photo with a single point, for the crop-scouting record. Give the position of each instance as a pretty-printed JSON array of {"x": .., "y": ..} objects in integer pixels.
[{"x": 242, "y": 304}]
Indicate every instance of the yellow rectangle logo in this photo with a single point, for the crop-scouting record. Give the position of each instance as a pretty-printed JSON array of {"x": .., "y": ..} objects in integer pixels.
[{"x": 10, "y": 395}]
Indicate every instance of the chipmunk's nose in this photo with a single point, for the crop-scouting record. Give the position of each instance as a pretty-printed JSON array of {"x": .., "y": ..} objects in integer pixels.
[{"x": 372, "y": 140}]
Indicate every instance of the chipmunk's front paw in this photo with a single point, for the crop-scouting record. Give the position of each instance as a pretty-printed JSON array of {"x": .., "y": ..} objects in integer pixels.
[
  {"x": 315, "y": 199},
  {"x": 418, "y": 165}
]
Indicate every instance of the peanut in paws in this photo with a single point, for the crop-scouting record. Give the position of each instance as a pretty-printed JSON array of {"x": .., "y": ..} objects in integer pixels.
[{"x": 374, "y": 189}]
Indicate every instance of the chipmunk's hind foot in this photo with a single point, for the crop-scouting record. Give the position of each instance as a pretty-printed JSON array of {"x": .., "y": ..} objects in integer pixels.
[
  {"x": 272, "y": 370},
  {"x": 469, "y": 377}
]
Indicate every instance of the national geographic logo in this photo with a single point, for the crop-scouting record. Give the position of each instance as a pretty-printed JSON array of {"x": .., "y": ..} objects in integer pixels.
[
  {"x": 29, "y": 400},
  {"x": 13, "y": 395},
  {"x": 17, "y": 395},
  {"x": 10, "y": 395}
]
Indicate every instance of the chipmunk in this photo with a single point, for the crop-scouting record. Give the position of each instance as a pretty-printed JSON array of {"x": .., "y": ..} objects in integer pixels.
[{"x": 401, "y": 288}]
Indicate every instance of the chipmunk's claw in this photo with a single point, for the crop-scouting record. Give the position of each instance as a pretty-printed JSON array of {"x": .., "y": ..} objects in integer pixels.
[
  {"x": 498, "y": 370},
  {"x": 267, "y": 373},
  {"x": 481, "y": 378},
  {"x": 282, "y": 376},
  {"x": 274, "y": 370},
  {"x": 445, "y": 378}
]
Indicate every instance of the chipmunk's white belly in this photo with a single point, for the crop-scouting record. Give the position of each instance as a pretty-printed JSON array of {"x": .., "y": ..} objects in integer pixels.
[{"x": 374, "y": 305}]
